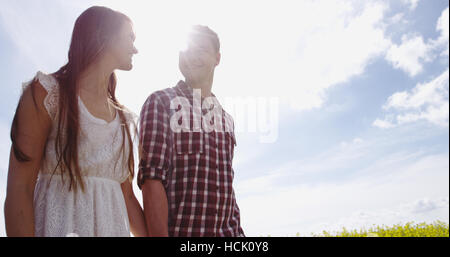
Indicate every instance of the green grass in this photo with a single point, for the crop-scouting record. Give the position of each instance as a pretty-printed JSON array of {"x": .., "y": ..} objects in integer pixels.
[{"x": 435, "y": 229}]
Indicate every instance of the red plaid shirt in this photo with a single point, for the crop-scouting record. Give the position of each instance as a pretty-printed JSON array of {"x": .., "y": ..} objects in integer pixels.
[{"x": 195, "y": 167}]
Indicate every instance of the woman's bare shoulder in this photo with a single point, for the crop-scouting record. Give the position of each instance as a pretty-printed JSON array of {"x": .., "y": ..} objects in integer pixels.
[{"x": 32, "y": 101}]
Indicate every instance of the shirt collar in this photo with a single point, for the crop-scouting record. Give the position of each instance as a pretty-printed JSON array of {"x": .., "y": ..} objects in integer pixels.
[{"x": 188, "y": 91}]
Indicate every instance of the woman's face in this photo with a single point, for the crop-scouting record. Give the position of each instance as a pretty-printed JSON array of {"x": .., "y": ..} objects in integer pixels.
[{"x": 122, "y": 47}]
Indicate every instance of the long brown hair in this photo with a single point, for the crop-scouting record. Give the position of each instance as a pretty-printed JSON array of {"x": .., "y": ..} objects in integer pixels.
[{"x": 94, "y": 29}]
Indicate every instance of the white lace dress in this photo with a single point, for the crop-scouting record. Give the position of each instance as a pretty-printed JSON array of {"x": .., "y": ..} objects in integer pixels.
[{"x": 98, "y": 211}]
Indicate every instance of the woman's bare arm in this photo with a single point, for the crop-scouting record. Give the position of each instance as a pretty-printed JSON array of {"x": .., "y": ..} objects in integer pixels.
[
  {"x": 34, "y": 125},
  {"x": 134, "y": 209}
]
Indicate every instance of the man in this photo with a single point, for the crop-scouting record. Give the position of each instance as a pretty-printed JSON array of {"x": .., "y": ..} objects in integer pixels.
[{"x": 186, "y": 151}]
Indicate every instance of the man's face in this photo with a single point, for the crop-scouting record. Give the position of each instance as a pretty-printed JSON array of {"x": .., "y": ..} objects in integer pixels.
[{"x": 199, "y": 59}]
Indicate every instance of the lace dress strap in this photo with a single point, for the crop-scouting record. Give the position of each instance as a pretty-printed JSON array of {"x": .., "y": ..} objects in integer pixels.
[{"x": 50, "y": 84}]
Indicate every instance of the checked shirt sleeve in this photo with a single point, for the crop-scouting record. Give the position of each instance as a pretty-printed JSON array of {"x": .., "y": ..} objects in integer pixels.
[
  {"x": 154, "y": 142},
  {"x": 236, "y": 219}
]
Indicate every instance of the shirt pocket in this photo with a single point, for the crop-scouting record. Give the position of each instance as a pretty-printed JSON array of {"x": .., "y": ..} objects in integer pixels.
[{"x": 189, "y": 143}]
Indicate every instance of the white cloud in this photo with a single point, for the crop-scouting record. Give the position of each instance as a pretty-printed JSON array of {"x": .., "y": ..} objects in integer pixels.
[
  {"x": 411, "y": 3},
  {"x": 434, "y": 92},
  {"x": 426, "y": 205},
  {"x": 384, "y": 124},
  {"x": 355, "y": 141},
  {"x": 438, "y": 116},
  {"x": 426, "y": 101},
  {"x": 443, "y": 27},
  {"x": 410, "y": 55},
  {"x": 398, "y": 18},
  {"x": 336, "y": 51},
  {"x": 413, "y": 51}
]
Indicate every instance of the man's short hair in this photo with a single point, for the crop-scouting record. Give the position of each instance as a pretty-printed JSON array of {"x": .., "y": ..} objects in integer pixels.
[{"x": 205, "y": 31}]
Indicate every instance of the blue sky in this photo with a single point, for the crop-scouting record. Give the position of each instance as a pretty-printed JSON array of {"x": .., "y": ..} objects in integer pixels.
[{"x": 362, "y": 86}]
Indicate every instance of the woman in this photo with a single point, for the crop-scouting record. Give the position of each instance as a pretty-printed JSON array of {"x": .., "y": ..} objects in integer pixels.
[{"x": 71, "y": 162}]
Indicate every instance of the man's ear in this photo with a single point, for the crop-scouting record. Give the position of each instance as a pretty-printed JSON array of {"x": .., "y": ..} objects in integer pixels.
[
  {"x": 218, "y": 59},
  {"x": 182, "y": 64}
]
